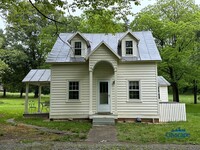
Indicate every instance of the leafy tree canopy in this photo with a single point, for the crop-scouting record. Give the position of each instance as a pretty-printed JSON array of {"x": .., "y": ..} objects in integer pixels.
[{"x": 175, "y": 24}]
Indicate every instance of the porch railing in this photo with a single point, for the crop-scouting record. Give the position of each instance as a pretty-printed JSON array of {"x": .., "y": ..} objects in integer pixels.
[{"x": 172, "y": 112}]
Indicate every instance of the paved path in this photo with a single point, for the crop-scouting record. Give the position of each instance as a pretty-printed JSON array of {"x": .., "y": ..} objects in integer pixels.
[{"x": 100, "y": 134}]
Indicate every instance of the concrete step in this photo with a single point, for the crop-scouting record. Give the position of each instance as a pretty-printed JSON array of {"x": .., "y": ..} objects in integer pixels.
[{"x": 103, "y": 121}]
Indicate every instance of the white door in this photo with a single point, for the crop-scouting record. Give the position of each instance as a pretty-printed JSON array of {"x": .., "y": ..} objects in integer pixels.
[{"x": 104, "y": 96}]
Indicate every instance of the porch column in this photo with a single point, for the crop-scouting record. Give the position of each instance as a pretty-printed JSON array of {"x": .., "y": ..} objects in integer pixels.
[
  {"x": 115, "y": 72},
  {"x": 39, "y": 97},
  {"x": 26, "y": 99},
  {"x": 91, "y": 89}
]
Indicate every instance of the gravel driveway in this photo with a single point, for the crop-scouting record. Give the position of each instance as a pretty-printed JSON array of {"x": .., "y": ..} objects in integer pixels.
[{"x": 12, "y": 145}]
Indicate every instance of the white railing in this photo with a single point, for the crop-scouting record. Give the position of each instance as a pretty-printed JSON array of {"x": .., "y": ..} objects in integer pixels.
[{"x": 172, "y": 112}]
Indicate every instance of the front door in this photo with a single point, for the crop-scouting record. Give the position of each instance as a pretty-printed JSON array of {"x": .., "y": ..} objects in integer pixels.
[{"x": 104, "y": 96}]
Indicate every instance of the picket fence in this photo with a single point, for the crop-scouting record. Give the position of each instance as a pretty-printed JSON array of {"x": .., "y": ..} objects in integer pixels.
[{"x": 172, "y": 112}]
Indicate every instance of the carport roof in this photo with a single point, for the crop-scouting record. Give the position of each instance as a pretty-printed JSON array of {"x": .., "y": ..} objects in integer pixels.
[{"x": 38, "y": 76}]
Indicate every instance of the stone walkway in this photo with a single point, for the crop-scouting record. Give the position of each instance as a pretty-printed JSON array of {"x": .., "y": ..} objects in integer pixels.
[{"x": 101, "y": 134}]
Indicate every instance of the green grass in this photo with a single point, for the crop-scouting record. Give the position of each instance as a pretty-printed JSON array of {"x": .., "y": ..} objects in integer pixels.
[
  {"x": 71, "y": 126},
  {"x": 188, "y": 99},
  {"x": 156, "y": 133},
  {"x": 139, "y": 133},
  {"x": 13, "y": 107}
]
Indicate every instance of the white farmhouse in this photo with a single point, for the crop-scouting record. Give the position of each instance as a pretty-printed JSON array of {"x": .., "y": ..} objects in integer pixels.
[{"x": 104, "y": 77}]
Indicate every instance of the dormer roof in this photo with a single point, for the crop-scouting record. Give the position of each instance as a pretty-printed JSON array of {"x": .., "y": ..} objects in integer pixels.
[
  {"x": 81, "y": 35},
  {"x": 130, "y": 33}
]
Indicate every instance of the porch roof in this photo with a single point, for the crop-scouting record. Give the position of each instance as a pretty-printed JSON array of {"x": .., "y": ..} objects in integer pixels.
[
  {"x": 38, "y": 76},
  {"x": 162, "y": 81}
]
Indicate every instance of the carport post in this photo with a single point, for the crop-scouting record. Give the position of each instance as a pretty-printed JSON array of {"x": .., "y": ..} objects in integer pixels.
[
  {"x": 39, "y": 98},
  {"x": 26, "y": 99}
]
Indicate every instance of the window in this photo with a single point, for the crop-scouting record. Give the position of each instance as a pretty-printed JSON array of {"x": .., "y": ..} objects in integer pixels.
[
  {"x": 77, "y": 48},
  {"x": 73, "y": 90},
  {"x": 134, "y": 90},
  {"x": 129, "y": 47}
]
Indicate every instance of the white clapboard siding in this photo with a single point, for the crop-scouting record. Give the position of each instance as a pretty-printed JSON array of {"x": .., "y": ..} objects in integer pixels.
[
  {"x": 163, "y": 93},
  {"x": 147, "y": 106},
  {"x": 61, "y": 107},
  {"x": 172, "y": 112}
]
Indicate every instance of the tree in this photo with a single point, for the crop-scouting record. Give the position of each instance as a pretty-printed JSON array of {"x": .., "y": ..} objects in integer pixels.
[
  {"x": 174, "y": 24},
  {"x": 24, "y": 26},
  {"x": 94, "y": 23},
  {"x": 119, "y": 8},
  {"x": 13, "y": 74}
]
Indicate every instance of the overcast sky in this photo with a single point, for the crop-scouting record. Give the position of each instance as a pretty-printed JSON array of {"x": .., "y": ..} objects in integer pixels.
[{"x": 135, "y": 9}]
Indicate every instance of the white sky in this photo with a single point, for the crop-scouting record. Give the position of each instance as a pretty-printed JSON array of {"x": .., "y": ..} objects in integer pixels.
[{"x": 135, "y": 9}]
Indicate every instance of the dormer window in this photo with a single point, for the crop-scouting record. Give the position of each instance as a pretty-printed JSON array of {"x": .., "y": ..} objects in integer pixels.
[
  {"x": 129, "y": 47},
  {"x": 77, "y": 48}
]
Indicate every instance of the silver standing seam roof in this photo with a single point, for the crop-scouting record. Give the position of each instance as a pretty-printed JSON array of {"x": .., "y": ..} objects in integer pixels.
[
  {"x": 162, "y": 81},
  {"x": 147, "y": 49},
  {"x": 36, "y": 76}
]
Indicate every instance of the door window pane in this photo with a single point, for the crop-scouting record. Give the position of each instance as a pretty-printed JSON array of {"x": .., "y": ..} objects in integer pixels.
[{"x": 103, "y": 92}]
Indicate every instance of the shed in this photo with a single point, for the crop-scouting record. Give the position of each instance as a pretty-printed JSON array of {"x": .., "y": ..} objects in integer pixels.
[{"x": 163, "y": 89}]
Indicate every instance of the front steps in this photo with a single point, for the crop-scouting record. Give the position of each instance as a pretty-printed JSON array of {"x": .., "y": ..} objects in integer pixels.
[{"x": 99, "y": 119}]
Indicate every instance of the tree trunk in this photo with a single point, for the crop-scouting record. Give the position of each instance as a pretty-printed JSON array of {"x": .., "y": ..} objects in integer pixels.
[
  {"x": 175, "y": 92},
  {"x": 36, "y": 92},
  {"x": 195, "y": 92},
  {"x": 4, "y": 92},
  {"x": 21, "y": 92}
]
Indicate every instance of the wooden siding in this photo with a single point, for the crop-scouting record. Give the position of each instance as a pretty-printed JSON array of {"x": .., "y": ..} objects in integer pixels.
[
  {"x": 163, "y": 93},
  {"x": 147, "y": 106},
  {"x": 172, "y": 112},
  {"x": 61, "y": 107},
  {"x": 128, "y": 37}
]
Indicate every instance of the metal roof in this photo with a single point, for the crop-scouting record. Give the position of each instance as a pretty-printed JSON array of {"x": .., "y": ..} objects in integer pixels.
[
  {"x": 162, "y": 81},
  {"x": 38, "y": 76},
  {"x": 146, "y": 46}
]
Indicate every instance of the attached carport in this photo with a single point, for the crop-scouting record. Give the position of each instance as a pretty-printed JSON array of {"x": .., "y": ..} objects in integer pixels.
[{"x": 38, "y": 77}]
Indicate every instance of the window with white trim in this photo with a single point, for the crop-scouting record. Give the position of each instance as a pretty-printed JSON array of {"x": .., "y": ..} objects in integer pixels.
[
  {"x": 134, "y": 90},
  {"x": 129, "y": 47},
  {"x": 74, "y": 90},
  {"x": 77, "y": 48}
]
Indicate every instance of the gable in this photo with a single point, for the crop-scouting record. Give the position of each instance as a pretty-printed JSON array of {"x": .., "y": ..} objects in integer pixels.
[
  {"x": 106, "y": 47},
  {"x": 103, "y": 53}
]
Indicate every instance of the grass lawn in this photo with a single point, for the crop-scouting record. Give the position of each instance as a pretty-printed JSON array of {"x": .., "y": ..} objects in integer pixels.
[
  {"x": 13, "y": 107},
  {"x": 140, "y": 133}
]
